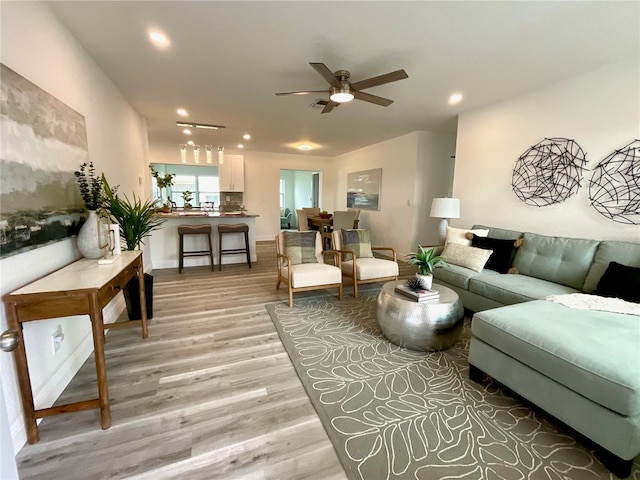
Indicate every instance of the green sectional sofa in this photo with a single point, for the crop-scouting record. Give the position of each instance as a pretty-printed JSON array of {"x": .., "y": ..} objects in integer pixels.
[{"x": 581, "y": 366}]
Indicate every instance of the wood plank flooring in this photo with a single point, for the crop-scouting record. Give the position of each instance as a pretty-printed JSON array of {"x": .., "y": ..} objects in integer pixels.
[{"x": 211, "y": 394}]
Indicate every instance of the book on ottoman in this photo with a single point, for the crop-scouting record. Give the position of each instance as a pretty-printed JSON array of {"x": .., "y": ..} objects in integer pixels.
[{"x": 419, "y": 295}]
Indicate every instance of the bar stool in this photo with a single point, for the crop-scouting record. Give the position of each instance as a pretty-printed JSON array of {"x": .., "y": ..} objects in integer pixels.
[
  {"x": 233, "y": 228},
  {"x": 194, "y": 230}
]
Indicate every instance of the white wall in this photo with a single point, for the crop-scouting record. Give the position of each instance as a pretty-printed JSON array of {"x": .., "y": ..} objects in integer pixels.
[
  {"x": 262, "y": 182},
  {"x": 39, "y": 48},
  {"x": 599, "y": 110},
  {"x": 434, "y": 179},
  {"x": 415, "y": 169}
]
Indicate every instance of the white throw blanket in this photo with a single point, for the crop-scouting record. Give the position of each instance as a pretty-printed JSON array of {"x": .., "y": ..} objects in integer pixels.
[{"x": 585, "y": 301}]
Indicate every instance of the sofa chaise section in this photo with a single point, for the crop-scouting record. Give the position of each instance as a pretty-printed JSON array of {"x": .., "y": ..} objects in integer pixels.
[{"x": 580, "y": 366}]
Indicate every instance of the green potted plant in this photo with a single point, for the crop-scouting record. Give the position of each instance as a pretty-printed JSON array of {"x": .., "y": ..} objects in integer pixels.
[
  {"x": 136, "y": 219},
  {"x": 426, "y": 260},
  {"x": 164, "y": 181},
  {"x": 187, "y": 197}
]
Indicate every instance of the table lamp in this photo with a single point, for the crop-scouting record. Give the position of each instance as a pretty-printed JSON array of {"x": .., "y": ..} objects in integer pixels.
[{"x": 445, "y": 208}]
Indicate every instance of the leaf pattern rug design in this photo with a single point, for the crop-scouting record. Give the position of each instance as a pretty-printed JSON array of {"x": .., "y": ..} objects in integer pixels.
[{"x": 392, "y": 413}]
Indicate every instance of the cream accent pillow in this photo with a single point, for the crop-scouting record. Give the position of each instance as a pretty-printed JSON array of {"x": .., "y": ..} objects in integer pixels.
[
  {"x": 468, "y": 257},
  {"x": 459, "y": 235}
]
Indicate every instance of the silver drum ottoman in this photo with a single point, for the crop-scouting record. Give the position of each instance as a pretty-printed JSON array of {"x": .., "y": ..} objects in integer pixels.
[{"x": 420, "y": 326}]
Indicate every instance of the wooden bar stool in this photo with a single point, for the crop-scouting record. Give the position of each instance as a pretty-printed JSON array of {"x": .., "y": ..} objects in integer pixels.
[
  {"x": 194, "y": 230},
  {"x": 233, "y": 228}
]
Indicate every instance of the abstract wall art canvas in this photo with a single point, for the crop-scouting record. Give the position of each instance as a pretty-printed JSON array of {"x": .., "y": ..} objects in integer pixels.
[
  {"x": 363, "y": 189},
  {"x": 42, "y": 142}
]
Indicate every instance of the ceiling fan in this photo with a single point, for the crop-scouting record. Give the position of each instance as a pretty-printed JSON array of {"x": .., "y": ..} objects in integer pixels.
[{"x": 342, "y": 90}]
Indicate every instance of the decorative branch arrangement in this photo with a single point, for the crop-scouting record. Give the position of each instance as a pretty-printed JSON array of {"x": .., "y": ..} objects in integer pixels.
[
  {"x": 90, "y": 186},
  {"x": 614, "y": 188},
  {"x": 549, "y": 172}
]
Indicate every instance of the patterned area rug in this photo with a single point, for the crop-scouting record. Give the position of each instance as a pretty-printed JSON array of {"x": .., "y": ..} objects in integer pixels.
[{"x": 396, "y": 414}]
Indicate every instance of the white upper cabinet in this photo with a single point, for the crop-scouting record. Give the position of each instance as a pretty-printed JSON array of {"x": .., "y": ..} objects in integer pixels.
[{"x": 231, "y": 174}]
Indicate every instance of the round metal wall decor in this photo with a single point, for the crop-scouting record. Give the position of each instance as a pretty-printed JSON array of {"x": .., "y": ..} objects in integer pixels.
[
  {"x": 614, "y": 188},
  {"x": 549, "y": 172}
]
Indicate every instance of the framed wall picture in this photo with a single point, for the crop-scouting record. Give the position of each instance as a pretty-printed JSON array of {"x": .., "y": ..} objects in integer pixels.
[
  {"x": 363, "y": 189},
  {"x": 43, "y": 142}
]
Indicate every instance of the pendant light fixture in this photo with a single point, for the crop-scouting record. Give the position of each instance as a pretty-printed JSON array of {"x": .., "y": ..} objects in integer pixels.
[{"x": 183, "y": 153}]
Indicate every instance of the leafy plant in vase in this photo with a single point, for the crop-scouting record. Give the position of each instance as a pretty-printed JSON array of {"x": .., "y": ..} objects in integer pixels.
[
  {"x": 426, "y": 260},
  {"x": 164, "y": 181},
  {"x": 92, "y": 238},
  {"x": 187, "y": 197},
  {"x": 136, "y": 219}
]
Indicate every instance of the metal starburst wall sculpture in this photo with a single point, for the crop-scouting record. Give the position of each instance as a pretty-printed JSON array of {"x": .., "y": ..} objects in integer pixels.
[
  {"x": 614, "y": 188},
  {"x": 549, "y": 172}
]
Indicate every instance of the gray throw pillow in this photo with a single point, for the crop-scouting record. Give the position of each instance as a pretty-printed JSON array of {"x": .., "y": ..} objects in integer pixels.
[{"x": 300, "y": 247}]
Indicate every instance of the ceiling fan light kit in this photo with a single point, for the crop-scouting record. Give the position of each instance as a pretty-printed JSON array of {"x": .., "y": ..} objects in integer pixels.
[
  {"x": 341, "y": 95},
  {"x": 343, "y": 91}
]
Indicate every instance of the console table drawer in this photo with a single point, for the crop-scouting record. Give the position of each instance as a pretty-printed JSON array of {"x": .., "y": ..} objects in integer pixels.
[{"x": 117, "y": 284}]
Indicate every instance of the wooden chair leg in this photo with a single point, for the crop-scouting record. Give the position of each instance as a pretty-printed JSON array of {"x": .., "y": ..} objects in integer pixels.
[
  {"x": 355, "y": 287},
  {"x": 246, "y": 246},
  {"x": 181, "y": 262},
  {"x": 290, "y": 297},
  {"x": 220, "y": 251},
  {"x": 210, "y": 251},
  {"x": 340, "y": 292}
]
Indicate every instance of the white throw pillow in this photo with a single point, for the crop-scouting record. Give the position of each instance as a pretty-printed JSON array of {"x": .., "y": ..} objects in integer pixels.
[
  {"x": 468, "y": 257},
  {"x": 459, "y": 235}
]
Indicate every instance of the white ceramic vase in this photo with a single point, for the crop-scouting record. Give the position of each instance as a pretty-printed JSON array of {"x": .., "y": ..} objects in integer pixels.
[
  {"x": 427, "y": 280},
  {"x": 90, "y": 237}
]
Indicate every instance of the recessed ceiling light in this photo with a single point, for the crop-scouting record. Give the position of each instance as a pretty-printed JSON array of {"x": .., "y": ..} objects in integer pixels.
[
  {"x": 304, "y": 146},
  {"x": 159, "y": 39},
  {"x": 182, "y": 112},
  {"x": 186, "y": 131},
  {"x": 455, "y": 98},
  {"x": 190, "y": 142},
  {"x": 246, "y": 136},
  {"x": 240, "y": 145}
]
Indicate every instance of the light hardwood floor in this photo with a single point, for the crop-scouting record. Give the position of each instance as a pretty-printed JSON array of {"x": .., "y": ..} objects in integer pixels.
[{"x": 210, "y": 394}]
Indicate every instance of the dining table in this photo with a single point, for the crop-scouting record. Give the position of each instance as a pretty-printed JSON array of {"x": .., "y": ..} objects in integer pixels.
[{"x": 325, "y": 226}]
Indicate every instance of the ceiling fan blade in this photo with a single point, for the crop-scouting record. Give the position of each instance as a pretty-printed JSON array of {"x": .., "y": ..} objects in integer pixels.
[
  {"x": 329, "y": 106},
  {"x": 327, "y": 74},
  {"x": 367, "y": 97},
  {"x": 380, "y": 80},
  {"x": 304, "y": 92}
]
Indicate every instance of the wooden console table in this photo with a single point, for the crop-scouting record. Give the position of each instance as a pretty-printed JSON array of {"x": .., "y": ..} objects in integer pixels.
[{"x": 83, "y": 287}]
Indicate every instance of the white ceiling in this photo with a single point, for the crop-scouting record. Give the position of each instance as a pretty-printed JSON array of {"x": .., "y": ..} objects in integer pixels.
[{"x": 228, "y": 59}]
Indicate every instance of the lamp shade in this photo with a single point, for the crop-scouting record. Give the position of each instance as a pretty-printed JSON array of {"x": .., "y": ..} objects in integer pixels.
[{"x": 445, "y": 208}]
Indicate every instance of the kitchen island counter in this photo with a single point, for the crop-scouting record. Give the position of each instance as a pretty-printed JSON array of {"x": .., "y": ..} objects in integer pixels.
[{"x": 164, "y": 243}]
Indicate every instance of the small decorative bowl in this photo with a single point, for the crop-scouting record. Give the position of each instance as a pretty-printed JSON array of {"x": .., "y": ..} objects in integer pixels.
[{"x": 326, "y": 215}]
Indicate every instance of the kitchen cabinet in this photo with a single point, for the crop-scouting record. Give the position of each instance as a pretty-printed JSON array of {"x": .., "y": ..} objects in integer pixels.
[{"x": 231, "y": 174}]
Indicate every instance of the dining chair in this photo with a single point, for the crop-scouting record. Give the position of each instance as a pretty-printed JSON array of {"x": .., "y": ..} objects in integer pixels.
[
  {"x": 311, "y": 212},
  {"x": 303, "y": 223},
  {"x": 341, "y": 219},
  {"x": 357, "y": 220},
  {"x": 344, "y": 219},
  {"x": 357, "y": 261},
  {"x": 301, "y": 264}
]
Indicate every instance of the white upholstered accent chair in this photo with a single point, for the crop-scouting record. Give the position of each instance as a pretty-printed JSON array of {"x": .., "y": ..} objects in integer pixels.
[
  {"x": 307, "y": 276},
  {"x": 365, "y": 269},
  {"x": 303, "y": 224}
]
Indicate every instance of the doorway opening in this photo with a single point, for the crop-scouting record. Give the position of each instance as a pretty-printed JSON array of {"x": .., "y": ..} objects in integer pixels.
[{"x": 298, "y": 189}]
